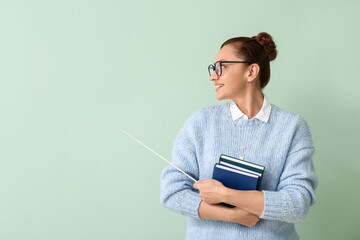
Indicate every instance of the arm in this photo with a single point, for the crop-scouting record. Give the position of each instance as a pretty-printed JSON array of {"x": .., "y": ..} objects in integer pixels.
[
  {"x": 295, "y": 192},
  {"x": 289, "y": 203},
  {"x": 213, "y": 192},
  {"x": 296, "y": 189},
  {"x": 176, "y": 192},
  {"x": 222, "y": 213},
  {"x": 251, "y": 201}
]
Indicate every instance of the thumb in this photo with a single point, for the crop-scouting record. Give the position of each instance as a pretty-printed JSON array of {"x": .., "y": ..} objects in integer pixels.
[{"x": 196, "y": 184}]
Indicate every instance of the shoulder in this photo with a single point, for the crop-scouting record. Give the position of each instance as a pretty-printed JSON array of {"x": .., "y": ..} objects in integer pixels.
[
  {"x": 206, "y": 113},
  {"x": 288, "y": 118},
  {"x": 203, "y": 118},
  {"x": 292, "y": 124},
  {"x": 210, "y": 110},
  {"x": 193, "y": 127}
]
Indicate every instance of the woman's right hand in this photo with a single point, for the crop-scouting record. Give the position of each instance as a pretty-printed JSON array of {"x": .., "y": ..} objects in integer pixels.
[{"x": 244, "y": 218}]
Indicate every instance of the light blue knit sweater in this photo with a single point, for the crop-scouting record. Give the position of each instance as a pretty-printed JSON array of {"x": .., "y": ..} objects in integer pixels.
[{"x": 283, "y": 145}]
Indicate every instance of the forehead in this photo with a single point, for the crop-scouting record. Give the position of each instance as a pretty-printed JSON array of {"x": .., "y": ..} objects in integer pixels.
[{"x": 226, "y": 53}]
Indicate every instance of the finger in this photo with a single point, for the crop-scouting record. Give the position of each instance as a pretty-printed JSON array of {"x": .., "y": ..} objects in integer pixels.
[{"x": 196, "y": 185}]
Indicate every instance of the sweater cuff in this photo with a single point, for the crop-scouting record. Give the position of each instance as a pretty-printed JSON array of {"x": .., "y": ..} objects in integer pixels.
[
  {"x": 272, "y": 206},
  {"x": 189, "y": 204}
]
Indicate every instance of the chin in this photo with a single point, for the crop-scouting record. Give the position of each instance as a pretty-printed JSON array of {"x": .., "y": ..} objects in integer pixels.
[{"x": 219, "y": 97}]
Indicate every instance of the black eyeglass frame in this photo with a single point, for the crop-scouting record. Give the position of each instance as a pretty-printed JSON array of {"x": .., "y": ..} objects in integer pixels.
[{"x": 212, "y": 67}]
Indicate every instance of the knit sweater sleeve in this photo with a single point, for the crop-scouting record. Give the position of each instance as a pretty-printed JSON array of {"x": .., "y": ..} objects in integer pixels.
[
  {"x": 176, "y": 191},
  {"x": 295, "y": 191}
]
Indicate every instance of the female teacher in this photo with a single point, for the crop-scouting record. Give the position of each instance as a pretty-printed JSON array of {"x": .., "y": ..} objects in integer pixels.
[{"x": 250, "y": 128}]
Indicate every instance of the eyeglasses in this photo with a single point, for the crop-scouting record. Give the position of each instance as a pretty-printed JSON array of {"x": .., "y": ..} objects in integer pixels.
[{"x": 217, "y": 67}]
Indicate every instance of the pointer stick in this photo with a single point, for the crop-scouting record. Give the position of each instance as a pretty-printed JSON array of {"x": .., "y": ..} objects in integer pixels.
[{"x": 158, "y": 155}]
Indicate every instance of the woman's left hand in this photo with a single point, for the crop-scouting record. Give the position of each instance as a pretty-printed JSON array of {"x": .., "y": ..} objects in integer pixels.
[{"x": 211, "y": 190}]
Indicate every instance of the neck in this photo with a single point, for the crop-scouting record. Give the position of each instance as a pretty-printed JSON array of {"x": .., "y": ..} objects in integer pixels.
[{"x": 250, "y": 104}]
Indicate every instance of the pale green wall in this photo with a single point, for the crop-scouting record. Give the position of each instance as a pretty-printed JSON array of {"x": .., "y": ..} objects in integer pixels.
[{"x": 72, "y": 72}]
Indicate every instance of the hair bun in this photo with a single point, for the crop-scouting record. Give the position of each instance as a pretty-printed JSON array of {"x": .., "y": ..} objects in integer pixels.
[{"x": 268, "y": 44}]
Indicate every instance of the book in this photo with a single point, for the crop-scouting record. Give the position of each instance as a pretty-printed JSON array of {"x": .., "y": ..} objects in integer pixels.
[
  {"x": 237, "y": 174},
  {"x": 235, "y": 179},
  {"x": 241, "y": 163}
]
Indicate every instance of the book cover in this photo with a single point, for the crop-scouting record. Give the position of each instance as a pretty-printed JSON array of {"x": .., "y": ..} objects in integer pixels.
[{"x": 235, "y": 179}]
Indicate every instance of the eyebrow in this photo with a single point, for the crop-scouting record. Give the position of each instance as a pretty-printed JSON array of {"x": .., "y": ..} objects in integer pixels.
[{"x": 220, "y": 60}]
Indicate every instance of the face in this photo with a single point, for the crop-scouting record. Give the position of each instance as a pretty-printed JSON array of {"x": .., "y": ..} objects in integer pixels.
[{"x": 233, "y": 81}]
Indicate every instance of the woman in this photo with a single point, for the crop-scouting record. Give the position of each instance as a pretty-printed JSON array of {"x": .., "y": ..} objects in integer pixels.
[{"x": 250, "y": 128}]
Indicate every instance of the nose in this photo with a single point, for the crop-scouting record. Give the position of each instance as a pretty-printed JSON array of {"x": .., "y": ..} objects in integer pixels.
[{"x": 214, "y": 76}]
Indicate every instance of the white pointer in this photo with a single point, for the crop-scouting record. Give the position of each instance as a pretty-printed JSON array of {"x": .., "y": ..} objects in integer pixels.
[{"x": 158, "y": 155}]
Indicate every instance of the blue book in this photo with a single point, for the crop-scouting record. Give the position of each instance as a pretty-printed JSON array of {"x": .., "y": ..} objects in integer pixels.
[
  {"x": 235, "y": 179},
  {"x": 242, "y": 165}
]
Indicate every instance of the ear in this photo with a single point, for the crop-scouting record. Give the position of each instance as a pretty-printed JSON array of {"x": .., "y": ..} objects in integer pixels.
[{"x": 253, "y": 72}]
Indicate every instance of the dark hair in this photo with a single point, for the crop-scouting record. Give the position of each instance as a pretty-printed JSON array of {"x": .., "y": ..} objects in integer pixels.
[{"x": 259, "y": 49}]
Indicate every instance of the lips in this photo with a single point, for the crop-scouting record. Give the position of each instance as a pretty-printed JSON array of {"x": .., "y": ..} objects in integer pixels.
[{"x": 218, "y": 86}]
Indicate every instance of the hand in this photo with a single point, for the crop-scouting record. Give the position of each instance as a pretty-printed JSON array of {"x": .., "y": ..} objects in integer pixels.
[
  {"x": 244, "y": 218},
  {"x": 211, "y": 190}
]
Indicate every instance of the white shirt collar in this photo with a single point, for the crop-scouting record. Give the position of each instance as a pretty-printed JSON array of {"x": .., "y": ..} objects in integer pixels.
[{"x": 262, "y": 115}]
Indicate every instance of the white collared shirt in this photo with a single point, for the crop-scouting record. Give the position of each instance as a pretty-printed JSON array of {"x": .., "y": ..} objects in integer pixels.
[{"x": 262, "y": 115}]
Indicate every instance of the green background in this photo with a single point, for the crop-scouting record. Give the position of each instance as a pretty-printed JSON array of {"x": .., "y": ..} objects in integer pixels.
[{"x": 72, "y": 72}]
